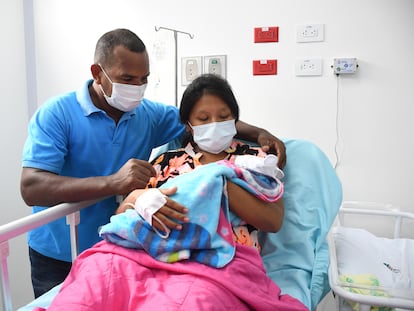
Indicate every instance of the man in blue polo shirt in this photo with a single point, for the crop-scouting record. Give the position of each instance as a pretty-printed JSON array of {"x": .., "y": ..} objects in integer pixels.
[{"x": 95, "y": 143}]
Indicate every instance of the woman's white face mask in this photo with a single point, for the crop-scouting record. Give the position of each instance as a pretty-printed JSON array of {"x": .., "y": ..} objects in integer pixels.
[
  {"x": 124, "y": 97},
  {"x": 214, "y": 137}
]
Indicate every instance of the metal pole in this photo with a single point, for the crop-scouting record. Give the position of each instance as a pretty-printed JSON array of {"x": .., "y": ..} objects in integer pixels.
[{"x": 175, "y": 55}]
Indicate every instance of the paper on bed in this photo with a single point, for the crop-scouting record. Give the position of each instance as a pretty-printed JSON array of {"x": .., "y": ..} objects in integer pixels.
[{"x": 297, "y": 257}]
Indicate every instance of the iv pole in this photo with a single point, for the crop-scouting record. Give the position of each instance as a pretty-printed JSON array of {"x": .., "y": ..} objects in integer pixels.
[{"x": 176, "y": 56}]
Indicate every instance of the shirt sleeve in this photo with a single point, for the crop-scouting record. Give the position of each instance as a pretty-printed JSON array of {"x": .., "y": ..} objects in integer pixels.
[
  {"x": 167, "y": 122},
  {"x": 46, "y": 145}
]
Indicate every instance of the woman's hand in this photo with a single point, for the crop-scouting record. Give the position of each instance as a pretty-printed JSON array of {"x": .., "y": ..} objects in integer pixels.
[{"x": 172, "y": 214}]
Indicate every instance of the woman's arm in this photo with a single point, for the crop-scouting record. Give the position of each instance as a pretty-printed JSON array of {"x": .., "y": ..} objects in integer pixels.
[{"x": 264, "y": 216}]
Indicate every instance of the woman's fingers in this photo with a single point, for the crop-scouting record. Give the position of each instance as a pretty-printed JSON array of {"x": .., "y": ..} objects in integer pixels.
[{"x": 172, "y": 214}]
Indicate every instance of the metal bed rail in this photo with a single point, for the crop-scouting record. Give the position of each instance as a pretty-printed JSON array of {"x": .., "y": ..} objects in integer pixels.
[
  {"x": 27, "y": 223},
  {"x": 394, "y": 216}
]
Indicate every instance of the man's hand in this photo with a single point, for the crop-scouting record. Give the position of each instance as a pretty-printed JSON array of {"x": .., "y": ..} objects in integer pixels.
[
  {"x": 134, "y": 174},
  {"x": 272, "y": 144}
]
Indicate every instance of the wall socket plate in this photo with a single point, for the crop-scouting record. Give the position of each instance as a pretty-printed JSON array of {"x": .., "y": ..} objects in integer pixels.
[
  {"x": 216, "y": 64},
  {"x": 191, "y": 68},
  {"x": 310, "y": 33},
  {"x": 308, "y": 67}
]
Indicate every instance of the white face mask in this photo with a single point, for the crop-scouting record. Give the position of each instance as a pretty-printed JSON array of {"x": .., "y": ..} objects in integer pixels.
[
  {"x": 124, "y": 97},
  {"x": 214, "y": 137}
]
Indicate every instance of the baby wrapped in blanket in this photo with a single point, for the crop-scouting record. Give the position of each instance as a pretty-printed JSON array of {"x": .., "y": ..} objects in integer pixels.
[{"x": 208, "y": 237}]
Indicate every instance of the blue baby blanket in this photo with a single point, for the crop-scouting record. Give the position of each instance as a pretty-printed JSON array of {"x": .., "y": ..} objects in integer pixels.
[{"x": 208, "y": 237}]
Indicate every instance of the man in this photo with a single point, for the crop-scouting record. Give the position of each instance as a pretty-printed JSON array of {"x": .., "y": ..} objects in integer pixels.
[{"x": 95, "y": 143}]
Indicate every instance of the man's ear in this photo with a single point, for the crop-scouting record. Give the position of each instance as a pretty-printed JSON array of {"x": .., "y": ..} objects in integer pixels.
[{"x": 96, "y": 73}]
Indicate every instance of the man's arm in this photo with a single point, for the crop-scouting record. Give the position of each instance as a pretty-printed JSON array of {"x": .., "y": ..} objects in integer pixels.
[
  {"x": 267, "y": 141},
  {"x": 43, "y": 188}
]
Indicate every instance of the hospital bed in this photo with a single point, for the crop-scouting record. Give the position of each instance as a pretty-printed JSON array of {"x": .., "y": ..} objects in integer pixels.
[
  {"x": 296, "y": 257},
  {"x": 372, "y": 257}
]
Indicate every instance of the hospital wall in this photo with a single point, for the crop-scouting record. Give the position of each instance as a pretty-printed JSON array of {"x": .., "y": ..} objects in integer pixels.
[{"x": 363, "y": 121}]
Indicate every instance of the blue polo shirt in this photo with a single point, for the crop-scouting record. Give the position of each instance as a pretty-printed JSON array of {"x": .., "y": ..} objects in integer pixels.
[{"x": 69, "y": 136}]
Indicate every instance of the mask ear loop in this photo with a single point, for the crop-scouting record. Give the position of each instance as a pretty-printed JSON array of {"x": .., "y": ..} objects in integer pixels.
[{"x": 106, "y": 75}]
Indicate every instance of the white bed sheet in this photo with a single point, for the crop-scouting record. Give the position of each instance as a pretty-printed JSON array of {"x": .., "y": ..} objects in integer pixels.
[{"x": 391, "y": 261}]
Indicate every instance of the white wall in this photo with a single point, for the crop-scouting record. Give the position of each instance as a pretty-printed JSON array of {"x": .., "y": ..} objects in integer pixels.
[
  {"x": 375, "y": 105},
  {"x": 12, "y": 135}
]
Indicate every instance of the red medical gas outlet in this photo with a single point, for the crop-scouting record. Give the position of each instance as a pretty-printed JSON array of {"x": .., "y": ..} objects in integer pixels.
[
  {"x": 265, "y": 67},
  {"x": 266, "y": 34}
]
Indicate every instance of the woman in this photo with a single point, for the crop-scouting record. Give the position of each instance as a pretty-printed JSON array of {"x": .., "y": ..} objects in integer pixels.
[
  {"x": 209, "y": 110},
  {"x": 109, "y": 276}
]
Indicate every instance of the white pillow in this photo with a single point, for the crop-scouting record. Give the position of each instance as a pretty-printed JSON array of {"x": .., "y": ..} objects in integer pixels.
[{"x": 390, "y": 260}]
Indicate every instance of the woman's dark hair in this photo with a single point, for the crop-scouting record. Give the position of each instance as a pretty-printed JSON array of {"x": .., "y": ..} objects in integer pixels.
[
  {"x": 207, "y": 84},
  {"x": 108, "y": 41}
]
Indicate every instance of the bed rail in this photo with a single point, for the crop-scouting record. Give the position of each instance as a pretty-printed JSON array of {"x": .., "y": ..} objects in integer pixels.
[
  {"x": 27, "y": 223},
  {"x": 396, "y": 218}
]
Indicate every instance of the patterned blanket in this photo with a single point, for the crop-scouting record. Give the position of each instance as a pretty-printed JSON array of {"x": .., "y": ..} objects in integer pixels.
[{"x": 208, "y": 237}]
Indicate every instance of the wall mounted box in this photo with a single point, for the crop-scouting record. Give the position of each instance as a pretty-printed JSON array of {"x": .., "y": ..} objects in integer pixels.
[
  {"x": 266, "y": 34},
  {"x": 265, "y": 67}
]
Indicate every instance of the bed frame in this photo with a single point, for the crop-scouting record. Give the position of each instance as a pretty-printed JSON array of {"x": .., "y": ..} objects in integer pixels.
[
  {"x": 396, "y": 220},
  {"x": 25, "y": 224}
]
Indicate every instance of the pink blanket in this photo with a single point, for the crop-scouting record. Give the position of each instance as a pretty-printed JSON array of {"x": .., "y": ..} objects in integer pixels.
[{"x": 111, "y": 277}]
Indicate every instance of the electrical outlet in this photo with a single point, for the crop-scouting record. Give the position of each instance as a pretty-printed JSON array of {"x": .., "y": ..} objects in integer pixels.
[
  {"x": 310, "y": 33},
  {"x": 215, "y": 64},
  {"x": 308, "y": 67},
  {"x": 191, "y": 68}
]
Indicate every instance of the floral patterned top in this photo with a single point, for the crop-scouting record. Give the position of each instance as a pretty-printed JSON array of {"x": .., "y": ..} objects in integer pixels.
[{"x": 174, "y": 163}]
